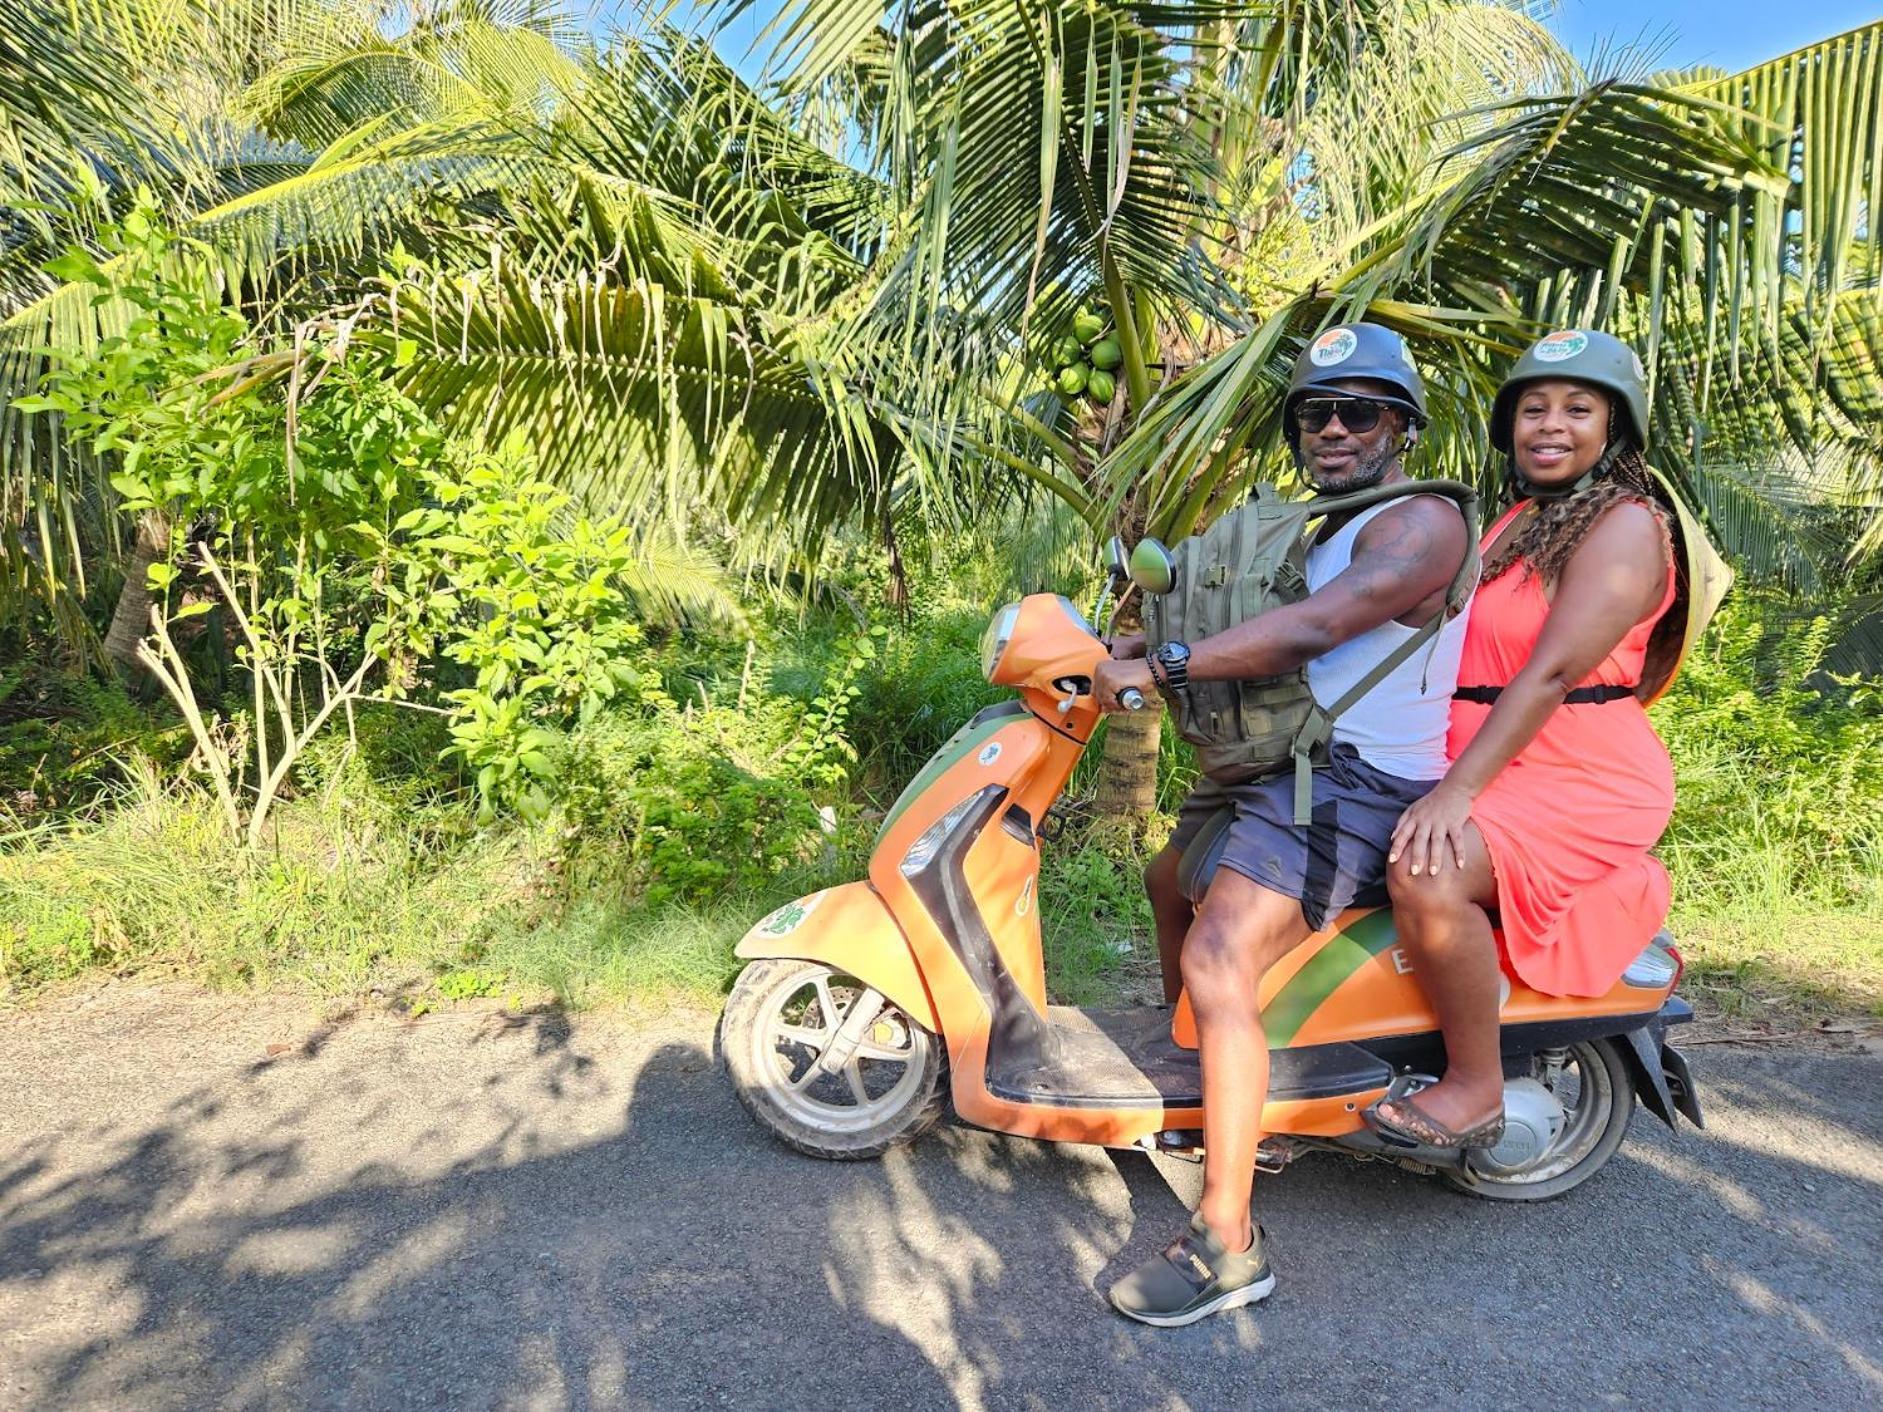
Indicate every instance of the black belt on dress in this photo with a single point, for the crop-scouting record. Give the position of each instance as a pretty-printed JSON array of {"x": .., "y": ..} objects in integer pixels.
[{"x": 1579, "y": 696}]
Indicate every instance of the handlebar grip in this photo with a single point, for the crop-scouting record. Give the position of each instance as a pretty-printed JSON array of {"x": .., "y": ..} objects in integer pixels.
[{"x": 1131, "y": 699}]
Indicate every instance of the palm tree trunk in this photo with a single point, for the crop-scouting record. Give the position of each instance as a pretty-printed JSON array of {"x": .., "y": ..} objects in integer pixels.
[
  {"x": 1126, "y": 791},
  {"x": 131, "y": 619},
  {"x": 1127, "y": 771}
]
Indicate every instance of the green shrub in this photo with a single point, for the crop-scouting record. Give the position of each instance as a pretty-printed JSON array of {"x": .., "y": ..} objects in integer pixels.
[
  {"x": 1779, "y": 785},
  {"x": 691, "y": 802},
  {"x": 926, "y": 683},
  {"x": 696, "y": 803},
  {"x": 64, "y": 738}
]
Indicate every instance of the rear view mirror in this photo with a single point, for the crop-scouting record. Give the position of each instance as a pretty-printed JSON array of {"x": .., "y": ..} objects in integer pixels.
[
  {"x": 1152, "y": 568},
  {"x": 1115, "y": 568}
]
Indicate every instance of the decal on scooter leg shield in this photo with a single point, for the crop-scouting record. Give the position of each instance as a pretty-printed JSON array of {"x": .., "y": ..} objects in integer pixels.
[{"x": 789, "y": 917}]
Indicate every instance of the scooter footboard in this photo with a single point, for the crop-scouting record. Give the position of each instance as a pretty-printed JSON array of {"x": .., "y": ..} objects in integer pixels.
[{"x": 850, "y": 930}]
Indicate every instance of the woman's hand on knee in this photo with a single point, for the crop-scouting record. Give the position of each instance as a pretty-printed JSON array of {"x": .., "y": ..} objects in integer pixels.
[{"x": 1432, "y": 831}]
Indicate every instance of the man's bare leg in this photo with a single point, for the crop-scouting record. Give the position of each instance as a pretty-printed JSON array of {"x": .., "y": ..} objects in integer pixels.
[
  {"x": 1240, "y": 931},
  {"x": 1443, "y": 927},
  {"x": 1172, "y": 913}
]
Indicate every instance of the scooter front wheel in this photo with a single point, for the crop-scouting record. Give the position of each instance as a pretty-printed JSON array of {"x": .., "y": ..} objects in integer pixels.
[{"x": 827, "y": 1065}]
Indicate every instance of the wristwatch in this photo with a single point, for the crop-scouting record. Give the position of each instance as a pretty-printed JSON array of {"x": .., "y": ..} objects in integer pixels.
[{"x": 1170, "y": 668}]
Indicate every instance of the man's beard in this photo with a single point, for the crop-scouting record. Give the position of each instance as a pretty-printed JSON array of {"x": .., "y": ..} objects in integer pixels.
[{"x": 1366, "y": 471}]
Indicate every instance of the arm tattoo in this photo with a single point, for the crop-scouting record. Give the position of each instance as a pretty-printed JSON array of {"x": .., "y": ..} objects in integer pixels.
[{"x": 1397, "y": 558}]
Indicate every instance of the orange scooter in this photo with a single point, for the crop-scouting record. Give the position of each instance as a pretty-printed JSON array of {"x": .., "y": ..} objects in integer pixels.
[{"x": 857, "y": 1001}]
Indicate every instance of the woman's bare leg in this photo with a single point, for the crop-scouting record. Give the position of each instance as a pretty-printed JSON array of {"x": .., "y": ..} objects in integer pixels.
[{"x": 1443, "y": 926}]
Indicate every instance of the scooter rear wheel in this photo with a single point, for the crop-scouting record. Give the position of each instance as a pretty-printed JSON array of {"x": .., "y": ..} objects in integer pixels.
[
  {"x": 799, "y": 1077},
  {"x": 1591, "y": 1080}
]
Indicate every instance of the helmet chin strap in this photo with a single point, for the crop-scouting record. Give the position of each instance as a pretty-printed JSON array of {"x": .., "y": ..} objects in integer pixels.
[{"x": 1528, "y": 489}]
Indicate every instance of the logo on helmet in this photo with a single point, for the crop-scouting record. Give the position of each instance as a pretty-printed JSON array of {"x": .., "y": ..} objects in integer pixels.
[
  {"x": 1560, "y": 347},
  {"x": 1337, "y": 345}
]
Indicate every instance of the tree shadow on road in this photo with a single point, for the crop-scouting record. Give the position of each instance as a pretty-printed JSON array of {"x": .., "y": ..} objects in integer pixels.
[{"x": 559, "y": 1222}]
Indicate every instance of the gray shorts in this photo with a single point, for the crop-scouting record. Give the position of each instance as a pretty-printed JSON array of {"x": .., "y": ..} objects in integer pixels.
[{"x": 1338, "y": 861}]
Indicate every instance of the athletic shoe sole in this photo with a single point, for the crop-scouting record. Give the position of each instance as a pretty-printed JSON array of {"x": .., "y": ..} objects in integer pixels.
[{"x": 1230, "y": 1299}]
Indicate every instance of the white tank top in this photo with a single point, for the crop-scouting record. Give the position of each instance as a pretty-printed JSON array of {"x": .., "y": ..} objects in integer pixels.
[{"x": 1399, "y": 726}]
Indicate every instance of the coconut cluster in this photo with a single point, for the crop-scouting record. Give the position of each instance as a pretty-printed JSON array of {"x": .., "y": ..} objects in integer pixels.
[{"x": 1085, "y": 361}]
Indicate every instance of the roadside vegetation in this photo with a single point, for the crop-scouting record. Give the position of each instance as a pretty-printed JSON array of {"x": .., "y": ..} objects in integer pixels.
[
  {"x": 488, "y": 509},
  {"x": 375, "y": 880}
]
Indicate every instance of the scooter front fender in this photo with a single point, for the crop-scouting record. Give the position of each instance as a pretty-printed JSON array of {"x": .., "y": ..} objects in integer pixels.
[{"x": 849, "y": 929}]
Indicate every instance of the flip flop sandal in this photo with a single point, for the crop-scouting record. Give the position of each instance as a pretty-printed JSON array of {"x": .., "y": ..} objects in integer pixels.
[{"x": 1414, "y": 1127}]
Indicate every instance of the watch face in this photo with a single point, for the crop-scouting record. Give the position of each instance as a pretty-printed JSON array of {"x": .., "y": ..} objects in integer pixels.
[{"x": 1173, "y": 652}]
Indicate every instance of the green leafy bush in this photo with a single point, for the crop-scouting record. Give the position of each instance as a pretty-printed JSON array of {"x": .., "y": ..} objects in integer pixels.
[
  {"x": 926, "y": 684},
  {"x": 64, "y": 738},
  {"x": 687, "y": 804},
  {"x": 693, "y": 803},
  {"x": 1779, "y": 784}
]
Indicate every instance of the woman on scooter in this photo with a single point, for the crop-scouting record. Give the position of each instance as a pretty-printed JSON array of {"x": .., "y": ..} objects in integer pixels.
[{"x": 1558, "y": 785}]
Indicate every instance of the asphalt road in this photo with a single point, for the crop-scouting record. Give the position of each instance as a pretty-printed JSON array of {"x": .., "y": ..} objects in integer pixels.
[{"x": 471, "y": 1213}]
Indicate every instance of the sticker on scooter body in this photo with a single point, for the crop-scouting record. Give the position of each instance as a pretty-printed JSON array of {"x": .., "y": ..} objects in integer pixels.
[
  {"x": 789, "y": 917},
  {"x": 989, "y": 753}
]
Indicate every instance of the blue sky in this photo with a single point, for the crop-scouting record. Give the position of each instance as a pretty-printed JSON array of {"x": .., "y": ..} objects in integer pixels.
[{"x": 1733, "y": 34}]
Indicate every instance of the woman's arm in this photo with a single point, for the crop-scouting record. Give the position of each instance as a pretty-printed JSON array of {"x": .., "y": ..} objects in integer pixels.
[{"x": 1616, "y": 578}]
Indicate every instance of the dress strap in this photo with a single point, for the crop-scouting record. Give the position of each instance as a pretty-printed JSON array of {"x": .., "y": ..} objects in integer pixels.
[{"x": 1497, "y": 528}]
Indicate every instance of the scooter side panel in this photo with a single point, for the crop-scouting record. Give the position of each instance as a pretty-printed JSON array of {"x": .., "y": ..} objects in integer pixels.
[
  {"x": 1029, "y": 761},
  {"x": 1275, "y": 981},
  {"x": 1003, "y": 874},
  {"x": 849, "y": 929},
  {"x": 1354, "y": 982}
]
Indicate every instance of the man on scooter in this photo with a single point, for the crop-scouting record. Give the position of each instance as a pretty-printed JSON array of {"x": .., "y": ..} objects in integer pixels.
[{"x": 1355, "y": 405}]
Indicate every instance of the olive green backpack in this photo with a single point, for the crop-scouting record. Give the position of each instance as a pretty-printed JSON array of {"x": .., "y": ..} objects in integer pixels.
[{"x": 1249, "y": 561}]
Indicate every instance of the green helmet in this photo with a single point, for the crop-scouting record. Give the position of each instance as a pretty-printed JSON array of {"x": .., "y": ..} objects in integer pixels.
[
  {"x": 1355, "y": 351},
  {"x": 1580, "y": 355}
]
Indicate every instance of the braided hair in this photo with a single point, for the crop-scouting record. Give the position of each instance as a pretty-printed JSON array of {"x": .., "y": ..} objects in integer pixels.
[{"x": 1559, "y": 526}]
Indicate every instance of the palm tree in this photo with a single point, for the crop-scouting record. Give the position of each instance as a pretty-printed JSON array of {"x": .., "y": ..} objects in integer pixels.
[
  {"x": 217, "y": 113},
  {"x": 541, "y": 209}
]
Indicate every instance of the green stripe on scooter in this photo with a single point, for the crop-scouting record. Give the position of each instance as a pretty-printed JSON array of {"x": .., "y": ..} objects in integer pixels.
[
  {"x": 970, "y": 737},
  {"x": 1325, "y": 972}
]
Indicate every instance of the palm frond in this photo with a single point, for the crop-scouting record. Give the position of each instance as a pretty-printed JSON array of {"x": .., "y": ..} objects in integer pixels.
[
  {"x": 1817, "y": 113},
  {"x": 636, "y": 396}
]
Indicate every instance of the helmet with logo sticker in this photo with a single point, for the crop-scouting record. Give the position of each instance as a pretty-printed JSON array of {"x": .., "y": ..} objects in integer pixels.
[
  {"x": 1579, "y": 355},
  {"x": 1355, "y": 351}
]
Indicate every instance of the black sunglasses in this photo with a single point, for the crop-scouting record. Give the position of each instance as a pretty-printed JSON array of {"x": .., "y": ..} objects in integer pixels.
[{"x": 1357, "y": 414}]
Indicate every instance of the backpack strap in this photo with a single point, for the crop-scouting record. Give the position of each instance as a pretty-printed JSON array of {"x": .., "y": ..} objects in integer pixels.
[{"x": 1318, "y": 730}]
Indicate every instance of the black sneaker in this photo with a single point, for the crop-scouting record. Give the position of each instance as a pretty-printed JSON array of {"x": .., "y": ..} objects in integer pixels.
[{"x": 1195, "y": 1277}]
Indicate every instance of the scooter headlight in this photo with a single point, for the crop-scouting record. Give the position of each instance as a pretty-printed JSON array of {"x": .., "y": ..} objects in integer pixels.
[
  {"x": 994, "y": 641},
  {"x": 922, "y": 852}
]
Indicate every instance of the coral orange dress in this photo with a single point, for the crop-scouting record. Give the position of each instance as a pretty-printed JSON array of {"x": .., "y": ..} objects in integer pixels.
[{"x": 1569, "y": 822}]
